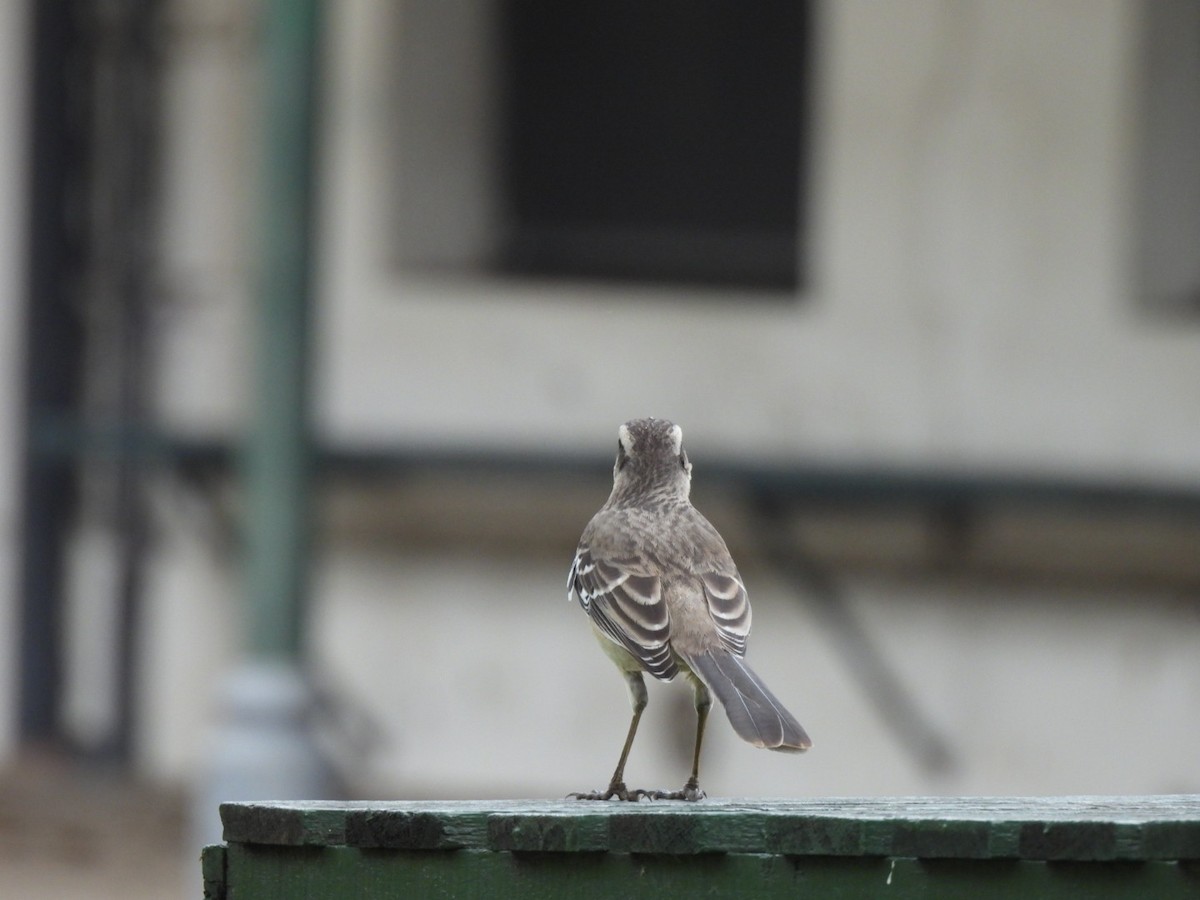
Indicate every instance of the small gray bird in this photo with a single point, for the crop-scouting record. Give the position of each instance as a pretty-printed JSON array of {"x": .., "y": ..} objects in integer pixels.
[{"x": 665, "y": 597}]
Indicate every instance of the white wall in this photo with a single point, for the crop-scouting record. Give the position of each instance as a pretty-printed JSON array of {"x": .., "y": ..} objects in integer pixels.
[
  {"x": 973, "y": 304},
  {"x": 973, "y": 246},
  {"x": 210, "y": 156},
  {"x": 973, "y": 301},
  {"x": 190, "y": 634},
  {"x": 13, "y": 218},
  {"x": 488, "y": 683}
]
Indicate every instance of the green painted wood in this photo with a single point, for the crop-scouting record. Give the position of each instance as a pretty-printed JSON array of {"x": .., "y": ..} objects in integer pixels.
[
  {"x": 212, "y": 871},
  {"x": 300, "y": 873},
  {"x": 1164, "y": 827},
  {"x": 899, "y": 848}
]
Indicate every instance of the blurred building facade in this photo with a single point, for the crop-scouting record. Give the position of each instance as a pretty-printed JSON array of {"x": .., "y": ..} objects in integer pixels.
[{"x": 994, "y": 277}]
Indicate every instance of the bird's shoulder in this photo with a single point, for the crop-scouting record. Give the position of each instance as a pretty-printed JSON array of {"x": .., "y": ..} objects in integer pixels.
[{"x": 661, "y": 541}]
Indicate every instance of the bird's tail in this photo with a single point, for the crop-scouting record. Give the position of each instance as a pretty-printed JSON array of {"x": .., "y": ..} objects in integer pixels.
[{"x": 753, "y": 711}]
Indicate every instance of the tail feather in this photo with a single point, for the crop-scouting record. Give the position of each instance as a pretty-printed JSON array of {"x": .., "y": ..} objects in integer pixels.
[{"x": 754, "y": 712}]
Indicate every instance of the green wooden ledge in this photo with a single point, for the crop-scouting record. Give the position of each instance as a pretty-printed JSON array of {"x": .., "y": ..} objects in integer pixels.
[{"x": 915, "y": 846}]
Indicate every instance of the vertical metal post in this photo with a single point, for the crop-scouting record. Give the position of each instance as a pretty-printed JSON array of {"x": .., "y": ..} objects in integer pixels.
[
  {"x": 123, "y": 255},
  {"x": 264, "y": 746},
  {"x": 277, "y": 460},
  {"x": 53, "y": 344}
]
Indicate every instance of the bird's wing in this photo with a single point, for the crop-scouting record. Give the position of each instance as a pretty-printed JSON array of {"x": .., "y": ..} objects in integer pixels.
[
  {"x": 724, "y": 591},
  {"x": 729, "y": 607},
  {"x": 626, "y": 603}
]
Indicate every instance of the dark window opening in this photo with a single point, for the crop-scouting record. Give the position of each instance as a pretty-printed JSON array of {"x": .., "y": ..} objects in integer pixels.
[
  {"x": 1168, "y": 187},
  {"x": 654, "y": 141}
]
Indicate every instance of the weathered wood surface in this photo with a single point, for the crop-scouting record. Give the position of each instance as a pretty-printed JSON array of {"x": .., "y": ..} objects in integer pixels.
[
  {"x": 1064, "y": 847},
  {"x": 1163, "y": 827}
]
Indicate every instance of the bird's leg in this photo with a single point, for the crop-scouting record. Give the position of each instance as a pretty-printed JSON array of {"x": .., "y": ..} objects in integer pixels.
[
  {"x": 703, "y": 705},
  {"x": 616, "y": 786},
  {"x": 691, "y": 790}
]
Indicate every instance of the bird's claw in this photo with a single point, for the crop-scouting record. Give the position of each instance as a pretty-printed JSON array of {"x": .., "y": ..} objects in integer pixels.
[
  {"x": 690, "y": 792},
  {"x": 617, "y": 789}
]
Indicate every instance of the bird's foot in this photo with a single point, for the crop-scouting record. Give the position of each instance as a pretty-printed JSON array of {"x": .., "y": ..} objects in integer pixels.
[
  {"x": 617, "y": 789},
  {"x": 690, "y": 792}
]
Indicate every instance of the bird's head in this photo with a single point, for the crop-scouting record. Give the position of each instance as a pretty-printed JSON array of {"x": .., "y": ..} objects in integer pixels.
[{"x": 651, "y": 461}]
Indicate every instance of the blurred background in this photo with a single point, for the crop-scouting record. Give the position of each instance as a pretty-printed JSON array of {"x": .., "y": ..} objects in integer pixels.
[{"x": 317, "y": 322}]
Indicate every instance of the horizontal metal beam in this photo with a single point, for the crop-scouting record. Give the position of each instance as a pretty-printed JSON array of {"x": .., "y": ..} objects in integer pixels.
[{"x": 802, "y": 480}]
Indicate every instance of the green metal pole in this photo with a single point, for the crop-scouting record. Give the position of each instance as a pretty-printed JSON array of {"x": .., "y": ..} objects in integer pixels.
[
  {"x": 263, "y": 744},
  {"x": 278, "y": 445}
]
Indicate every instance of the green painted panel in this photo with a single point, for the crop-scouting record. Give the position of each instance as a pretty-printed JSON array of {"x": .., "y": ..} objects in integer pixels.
[
  {"x": 1096, "y": 847},
  {"x": 212, "y": 871},
  {"x": 300, "y": 873}
]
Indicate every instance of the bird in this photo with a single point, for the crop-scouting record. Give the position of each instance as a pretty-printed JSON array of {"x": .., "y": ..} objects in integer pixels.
[{"x": 664, "y": 597}]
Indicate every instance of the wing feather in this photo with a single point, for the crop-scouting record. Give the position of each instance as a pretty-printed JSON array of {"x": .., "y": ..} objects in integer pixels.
[
  {"x": 729, "y": 607},
  {"x": 627, "y": 606}
]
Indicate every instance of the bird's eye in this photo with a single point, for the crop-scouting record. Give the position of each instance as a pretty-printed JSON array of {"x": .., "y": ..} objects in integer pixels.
[
  {"x": 683, "y": 461},
  {"x": 621, "y": 455}
]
